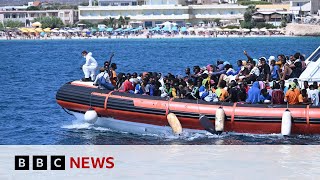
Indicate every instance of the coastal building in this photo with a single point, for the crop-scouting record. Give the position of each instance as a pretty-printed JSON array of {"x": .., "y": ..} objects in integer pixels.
[
  {"x": 68, "y": 16},
  {"x": 273, "y": 13},
  {"x": 304, "y": 7},
  {"x": 158, "y": 11}
]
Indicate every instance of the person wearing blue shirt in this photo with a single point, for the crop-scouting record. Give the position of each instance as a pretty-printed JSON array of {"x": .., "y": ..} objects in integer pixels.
[
  {"x": 264, "y": 96},
  {"x": 275, "y": 72}
]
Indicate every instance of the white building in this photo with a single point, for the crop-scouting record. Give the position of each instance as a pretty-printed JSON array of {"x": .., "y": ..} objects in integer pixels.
[
  {"x": 304, "y": 7},
  {"x": 68, "y": 16},
  {"x": 152, "y": 13}
]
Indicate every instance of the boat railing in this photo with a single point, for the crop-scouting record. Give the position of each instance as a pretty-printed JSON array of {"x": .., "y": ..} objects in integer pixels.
[{"x": 313, "y": 66}]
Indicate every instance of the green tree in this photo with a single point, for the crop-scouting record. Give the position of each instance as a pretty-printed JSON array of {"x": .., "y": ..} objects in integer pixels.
[
  {"x": 121, "y": 22},
  {"x": 12, "y": 24},
  {"x": 248, "y": 22},
  {"x": 217, "y": 21},
  {"x": 33, "y": 8},
  {"x": 126, "y": 20},
  {"x": 284, "y": 21},
  {"x": 49, "y": 22},
  {"x": 110, "y": 22}
]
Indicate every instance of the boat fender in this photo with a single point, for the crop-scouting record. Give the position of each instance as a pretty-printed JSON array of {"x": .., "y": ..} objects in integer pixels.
[
  {"x": 207, "y": 124},
  {"x": 174, "y": 123},
  {"x": 286, "y": 123},
  {"x": 219, "y": 120},
  {"x": 91, "y": 116}
]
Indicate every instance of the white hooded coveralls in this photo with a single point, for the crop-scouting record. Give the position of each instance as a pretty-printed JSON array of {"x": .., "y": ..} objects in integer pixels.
[{"x": 90, "y": 66}]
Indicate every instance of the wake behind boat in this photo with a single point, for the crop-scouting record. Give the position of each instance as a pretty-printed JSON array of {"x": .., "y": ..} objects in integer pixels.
[{"x": 149, "y": 114}]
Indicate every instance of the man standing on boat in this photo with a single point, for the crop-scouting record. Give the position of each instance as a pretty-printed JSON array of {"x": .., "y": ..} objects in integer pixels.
[{"x": 89, "y": 67}]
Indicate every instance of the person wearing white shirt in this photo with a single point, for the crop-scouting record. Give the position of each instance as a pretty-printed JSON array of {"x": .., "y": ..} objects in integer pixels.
[
  {"x": 89, "y": 67},
  {"x": 313, "y": 94}
]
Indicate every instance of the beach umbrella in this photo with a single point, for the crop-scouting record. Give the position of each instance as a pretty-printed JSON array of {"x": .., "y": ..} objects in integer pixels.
[
  {"x": 226, "y": 29},
  {"x": 191, "y": 29},
  {"x": 128, "y": 29},
  {"x": 39, "y": 29},
  {"x": 31, "y": 30},
  {"x": 183, "y": 29},
  {"x": 201, "y": 29},
  {"x": 255, "y": 29},
  {"x": 118, "y": 30},
  {"x": 263, "y": 30},
  {"x": 218, "y": 29},
  {"x": 54, "y": 31},
  {"x": 47, "y": 30},
  {"x": 209, "y": 29},
  {"x": 155, "y": 29},
  {"x": 71, "y": 31},
  {"x": 62, "y": 31},
  {"x": 109, "y": 29},
  {"x": 246, "y": 30},
  {"x": 93, "y": 30},
  {"x": 36, "y": 24},
  {"x": 174, "y": 28},
  {"x": 165, "y": 29},
  {"x": 42, "y": 33}
]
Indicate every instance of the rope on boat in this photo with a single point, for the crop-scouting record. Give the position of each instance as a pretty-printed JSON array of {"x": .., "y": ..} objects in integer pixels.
[{"x": 66, "y": 111}]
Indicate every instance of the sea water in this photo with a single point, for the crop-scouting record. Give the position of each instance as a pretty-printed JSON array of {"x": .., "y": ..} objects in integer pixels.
[{"x": 32, "y": 71}]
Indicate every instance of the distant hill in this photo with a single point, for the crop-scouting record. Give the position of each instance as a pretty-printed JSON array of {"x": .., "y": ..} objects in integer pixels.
[{"x": 22, "y": 2}]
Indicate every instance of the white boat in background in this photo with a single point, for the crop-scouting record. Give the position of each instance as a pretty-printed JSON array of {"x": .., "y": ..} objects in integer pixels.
[{"x": 312, "y": 72}]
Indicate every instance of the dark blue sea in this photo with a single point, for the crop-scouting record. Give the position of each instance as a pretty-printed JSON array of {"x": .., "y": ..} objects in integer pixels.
[{"x": 33, "y": 71}]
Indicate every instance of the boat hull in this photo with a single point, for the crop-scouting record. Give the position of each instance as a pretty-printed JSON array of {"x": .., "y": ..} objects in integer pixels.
[{"x": 152, "y": 111}]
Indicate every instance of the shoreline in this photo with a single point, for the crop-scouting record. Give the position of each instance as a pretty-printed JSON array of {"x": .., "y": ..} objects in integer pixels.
[{"x": 152, "y": 37}]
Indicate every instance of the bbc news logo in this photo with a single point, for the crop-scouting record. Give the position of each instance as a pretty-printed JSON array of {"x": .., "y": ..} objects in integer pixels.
[{"x": 59, "y": 162}]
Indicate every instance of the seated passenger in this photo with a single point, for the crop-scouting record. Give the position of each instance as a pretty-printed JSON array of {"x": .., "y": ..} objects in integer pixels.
[
  {"x": 103, "y": 80},
  {"x": 221, "y": 92},
  {"x": 127, "y": 85},
  {"x": 277, "y": 96},
  {"x": 292, "y": 95},
  {"x": 293, "y": 69},
  {"x": 254, "y": 72},
  {"x": 303, "y": 97},
  {"x": 265, "y": 96},
  {"x": 275, "y": 72},
  {"x": 264, "y": 70},
  {"x": 234, "y": 92},
  {"x": 203, "y": 90},
  {"x": 254, "y": 94},
  {"x": 139, "y": 89},
  {"x": 313, "y": 95}
]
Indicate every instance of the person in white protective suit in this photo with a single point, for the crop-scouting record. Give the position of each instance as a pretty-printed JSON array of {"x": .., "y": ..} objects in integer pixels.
[{"x": 89, "y": 68}]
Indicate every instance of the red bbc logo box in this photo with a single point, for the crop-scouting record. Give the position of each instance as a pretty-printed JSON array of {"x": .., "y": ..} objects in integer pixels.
[{"x": 39, "y": 162}]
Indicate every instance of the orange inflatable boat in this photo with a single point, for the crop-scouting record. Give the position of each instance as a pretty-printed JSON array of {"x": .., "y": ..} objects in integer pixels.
[{"x": 140, "y": 113}]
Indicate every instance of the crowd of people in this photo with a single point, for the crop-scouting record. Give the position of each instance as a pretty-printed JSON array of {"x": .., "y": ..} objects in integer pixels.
[{"x": 251, "y": 81}]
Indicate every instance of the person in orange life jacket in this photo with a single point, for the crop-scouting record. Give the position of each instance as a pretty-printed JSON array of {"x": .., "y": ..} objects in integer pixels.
[
  {"x": 292, "y": 95},
  {"x": 221, "y": 92},
  {"x": 303, "y": 97}
]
